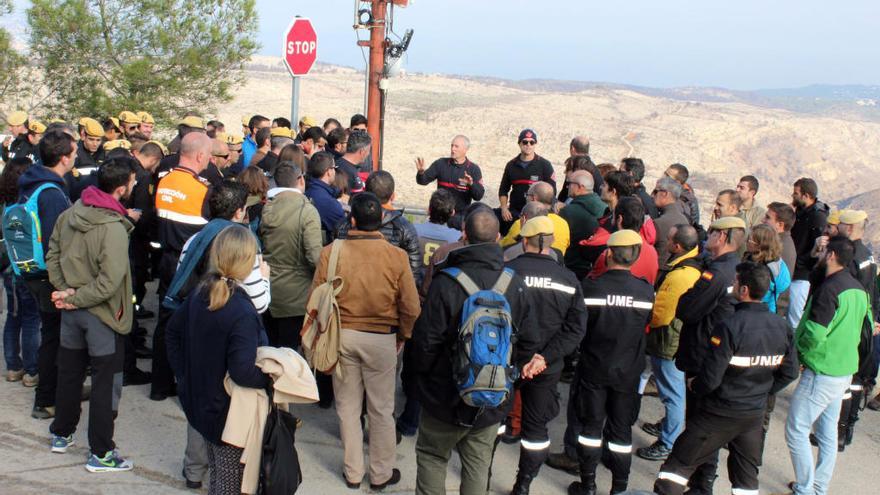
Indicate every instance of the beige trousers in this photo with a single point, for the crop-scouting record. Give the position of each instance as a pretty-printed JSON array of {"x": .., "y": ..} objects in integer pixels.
[{"x": 369, "y": 362}]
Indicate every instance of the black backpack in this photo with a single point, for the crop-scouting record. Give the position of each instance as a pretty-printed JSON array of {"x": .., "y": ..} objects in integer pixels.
[{"x": 280, "y": 473}]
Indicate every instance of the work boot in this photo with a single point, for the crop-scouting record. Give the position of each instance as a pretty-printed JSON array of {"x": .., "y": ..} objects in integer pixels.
[
  {"x": 850, "y": 431},
  {"x": 702, "y": 487},
  {"x": 563, "y": 462},
  {"x": 618, "y": 486},
  {"x": 586, "y": 486},
  {"x": 874, "y": 404},
  {"x": 841, "y": 436},
  {"x": 523, "y": 481}
]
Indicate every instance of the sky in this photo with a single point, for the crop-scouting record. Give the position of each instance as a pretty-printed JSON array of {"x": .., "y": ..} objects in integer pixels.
[
  {"x": 745, "y": 44},
  {"x": 742, "y": 44}
]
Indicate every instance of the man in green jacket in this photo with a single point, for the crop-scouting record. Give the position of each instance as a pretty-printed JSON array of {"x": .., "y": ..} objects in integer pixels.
[
  {"x": 291, "y": 235},
  {"x": 827, "y": 340},
  {"x": 94, "y": 290},
  {"x": 582, "y": 215}
]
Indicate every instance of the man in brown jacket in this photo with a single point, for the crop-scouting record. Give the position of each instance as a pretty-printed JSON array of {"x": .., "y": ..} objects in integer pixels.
[{"x": 373, "y": 331}]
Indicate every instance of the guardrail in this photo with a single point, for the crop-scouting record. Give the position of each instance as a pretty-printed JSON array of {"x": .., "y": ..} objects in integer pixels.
[{"x": 415, "y": 215}]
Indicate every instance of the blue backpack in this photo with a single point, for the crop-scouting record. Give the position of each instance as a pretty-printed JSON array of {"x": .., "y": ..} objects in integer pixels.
[
  {"x": 22, "y": 235},
  {"x": 481, "y": 363}
]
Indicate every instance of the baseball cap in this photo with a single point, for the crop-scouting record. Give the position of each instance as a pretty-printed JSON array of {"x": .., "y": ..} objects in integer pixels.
[
  {"x": 537, "y": 226},
  {"x": 624, "y": 237},
  {"x": 527, "y": 134}
]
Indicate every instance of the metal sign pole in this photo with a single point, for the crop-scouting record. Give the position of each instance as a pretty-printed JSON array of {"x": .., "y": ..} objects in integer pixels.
[{"x": 294, "y": 105}]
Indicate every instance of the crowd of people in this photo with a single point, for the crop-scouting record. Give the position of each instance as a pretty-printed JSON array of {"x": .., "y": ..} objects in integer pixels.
[{"x": 592, "y": 281}]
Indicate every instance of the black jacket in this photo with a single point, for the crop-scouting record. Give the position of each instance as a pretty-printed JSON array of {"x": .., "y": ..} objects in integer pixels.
[
  {"x": 20, "y": 147},
  {"x": 648, "y": 202},
  {"x": 355, "y": 183},
  {"x": 808, "y": 225},
  {"x": 864, "y": 269},
  {"x": 516, "y": 180},
  {"x": 598, "y": 180},
  {"x": 449, "y": 176},
  {"x": 619, "y": 309},
  {"x": 557, "y": 301},
  {"x": 399, "y": 232},
  {"x": 269, "y": 163},
  {"x": 85, "y": 159},
  {"x": 436, "y": 332},
  {"x": 702, "y": 307},
  {"x": 751, "y": 354},
  {"x": 142, "y": 199}
]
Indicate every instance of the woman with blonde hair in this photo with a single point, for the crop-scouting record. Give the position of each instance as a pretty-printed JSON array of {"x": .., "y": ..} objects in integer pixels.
[
  {"x": 764, "y": 247},
  {"x": 217, "y": 331}
]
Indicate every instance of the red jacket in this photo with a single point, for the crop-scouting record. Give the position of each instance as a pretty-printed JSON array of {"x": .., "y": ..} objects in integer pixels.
[{"x": 646, "y": 266}]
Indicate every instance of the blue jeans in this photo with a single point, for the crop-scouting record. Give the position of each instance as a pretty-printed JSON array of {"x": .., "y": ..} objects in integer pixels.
[
  {"x": 797, "y": 301},
  {"x": 671, "y": 389},
  {"x": 815, "y": 400},
  {"x": 21, "y": 335}
]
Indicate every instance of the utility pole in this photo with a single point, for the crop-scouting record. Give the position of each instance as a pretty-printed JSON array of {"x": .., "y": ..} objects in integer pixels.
[{"x": 378, "y": 43}]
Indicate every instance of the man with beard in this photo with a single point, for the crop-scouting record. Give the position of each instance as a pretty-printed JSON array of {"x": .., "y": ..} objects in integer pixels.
[
  {"x": 811, "y": 216},
  {"x": 96, "y": 309},
  {"x": 147, "y": 124}
]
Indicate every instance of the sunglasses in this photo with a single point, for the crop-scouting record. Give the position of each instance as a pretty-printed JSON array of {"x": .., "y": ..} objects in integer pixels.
[
  {"x": 221, "y": 156},
  {"x": 527, "y": 142}
]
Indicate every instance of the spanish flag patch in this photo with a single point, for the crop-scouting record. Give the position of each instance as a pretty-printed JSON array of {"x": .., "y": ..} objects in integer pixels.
[
  {"x": 715, "y": 341},
  {"x": 707, "y": 276}
]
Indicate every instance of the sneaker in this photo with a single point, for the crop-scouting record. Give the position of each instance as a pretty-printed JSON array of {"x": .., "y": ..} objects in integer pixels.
[
  {"x": 39, "y": 412},
  {"x": 14, "y": 375},
  {"x": 652, "y": 429},
  {"x": 656, "y": 452},
  {"x": 29, "y": 380},
  {"x": 60, "y": 444},
  {"x": 110, "y": 462}
]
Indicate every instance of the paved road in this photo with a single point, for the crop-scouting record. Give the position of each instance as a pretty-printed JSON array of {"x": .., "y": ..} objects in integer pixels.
[{"x": 153, "y": 435}]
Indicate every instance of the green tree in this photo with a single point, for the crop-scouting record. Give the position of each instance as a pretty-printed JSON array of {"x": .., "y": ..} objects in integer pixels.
[
  {"x": 163, "y": 56},
  {"x": 10, "y": 60}
]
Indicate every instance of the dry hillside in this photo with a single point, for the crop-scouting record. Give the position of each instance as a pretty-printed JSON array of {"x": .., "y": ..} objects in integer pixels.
[{"x": 719, "y": 142}]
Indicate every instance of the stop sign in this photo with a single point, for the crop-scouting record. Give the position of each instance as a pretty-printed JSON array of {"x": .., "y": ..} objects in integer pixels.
[{"x": 300, "y": 46}]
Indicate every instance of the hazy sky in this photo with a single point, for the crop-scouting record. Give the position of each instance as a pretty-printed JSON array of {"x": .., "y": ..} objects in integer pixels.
[
  {"x": 743, "y": 44},
  {"x": 746, "y": 44}
]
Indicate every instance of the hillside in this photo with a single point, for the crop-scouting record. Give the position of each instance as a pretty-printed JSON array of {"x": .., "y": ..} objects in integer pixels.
[{"x": 718, "y": 140}]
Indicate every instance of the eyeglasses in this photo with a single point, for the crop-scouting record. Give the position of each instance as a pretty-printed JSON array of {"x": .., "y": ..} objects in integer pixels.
[{"x": 527, "y": 142}]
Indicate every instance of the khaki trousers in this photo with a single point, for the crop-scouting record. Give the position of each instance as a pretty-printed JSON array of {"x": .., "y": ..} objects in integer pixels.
[{"x": 369, "y": 363}]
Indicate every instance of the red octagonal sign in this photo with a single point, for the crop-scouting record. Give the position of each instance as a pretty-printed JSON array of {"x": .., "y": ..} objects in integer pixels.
[{"x": 300, "y": 47}]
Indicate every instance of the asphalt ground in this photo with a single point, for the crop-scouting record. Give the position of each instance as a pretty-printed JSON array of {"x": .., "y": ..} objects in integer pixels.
[{"x": 153, "y": 435}]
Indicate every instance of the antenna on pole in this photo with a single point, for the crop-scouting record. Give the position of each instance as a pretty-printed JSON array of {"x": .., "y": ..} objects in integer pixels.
[{"x": 384, "y": 61}]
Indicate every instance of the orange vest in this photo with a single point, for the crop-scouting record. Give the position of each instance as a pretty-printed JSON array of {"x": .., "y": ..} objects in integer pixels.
[{"x": 180, "y": 196}]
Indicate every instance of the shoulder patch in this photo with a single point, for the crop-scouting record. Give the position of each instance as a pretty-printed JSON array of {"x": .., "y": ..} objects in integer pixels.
[
  {"x": 715, "y": 341},
  {"x": 707, "y": 276}
]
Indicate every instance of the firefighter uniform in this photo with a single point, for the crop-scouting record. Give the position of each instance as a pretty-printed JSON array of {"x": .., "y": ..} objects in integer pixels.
[
  {"x": 450, "y": 176},
  {"x": 20, "y": 145},
  {"x": 864, "y": 269},
  {"x": 519, "y": 176},
  {"x": 86, "y": 162},
  {"x": 751, "y": 355},
  {"x": 611, "y": 361},
  {"x": 707, "y": 303},
  {"x": 555, "y": 295},
  {"x": 181, "y": 208}
]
